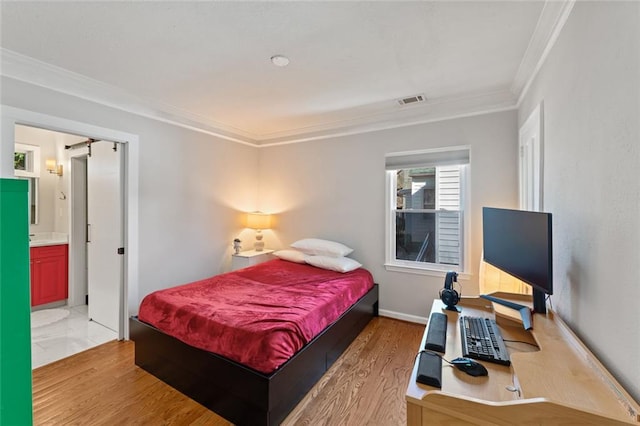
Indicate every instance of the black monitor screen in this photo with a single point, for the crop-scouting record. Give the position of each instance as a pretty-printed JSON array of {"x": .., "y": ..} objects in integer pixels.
[{"x": 519, "y": 243}]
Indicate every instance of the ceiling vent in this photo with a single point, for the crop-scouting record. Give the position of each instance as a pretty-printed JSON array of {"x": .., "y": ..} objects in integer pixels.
[{"x": 412, "y": 100}]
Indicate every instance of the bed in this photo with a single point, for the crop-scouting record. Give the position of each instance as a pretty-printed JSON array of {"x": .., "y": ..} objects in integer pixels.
[{"x": 309, "y": 315}]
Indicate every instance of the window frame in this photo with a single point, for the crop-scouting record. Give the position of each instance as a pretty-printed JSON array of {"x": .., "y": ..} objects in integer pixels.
[
  {"x": 424, "y": 268},
  {"x": 32, "y": 160}
]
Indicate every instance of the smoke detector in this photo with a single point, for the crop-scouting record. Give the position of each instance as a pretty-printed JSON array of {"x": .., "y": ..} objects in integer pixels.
[{"x": 412, "y": 100}]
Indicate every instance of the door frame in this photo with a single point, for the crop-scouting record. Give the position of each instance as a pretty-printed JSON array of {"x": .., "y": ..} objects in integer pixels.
[
  {"x": 77, "y": 245},
  {"x": 130, "y": 143},
  {"x": 530, "y": 161}
]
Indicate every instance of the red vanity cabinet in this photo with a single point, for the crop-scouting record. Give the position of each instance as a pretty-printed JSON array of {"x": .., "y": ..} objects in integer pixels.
[{"x": 49, "y": 274}]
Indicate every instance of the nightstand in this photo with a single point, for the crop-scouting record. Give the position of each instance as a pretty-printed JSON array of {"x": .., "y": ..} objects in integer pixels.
[{"x": 249, "y": 258}]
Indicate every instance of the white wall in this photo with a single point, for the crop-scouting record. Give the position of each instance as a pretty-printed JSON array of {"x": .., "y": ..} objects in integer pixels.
[
  {"x": 335, "y": 189},
  {"x": 192, "y": 186},
  {"x": 53, "y": 209},
  {"x": 47, "y": 182},
  {"x": 590, "y": 85}
]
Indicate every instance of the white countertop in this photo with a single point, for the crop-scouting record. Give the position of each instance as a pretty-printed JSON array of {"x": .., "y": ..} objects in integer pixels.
[{"x": 39, "y": 239}]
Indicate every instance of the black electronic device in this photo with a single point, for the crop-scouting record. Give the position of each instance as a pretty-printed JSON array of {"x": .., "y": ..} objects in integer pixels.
[
  {"x": 448, "y": 294},
  {"x": 503, "y": 302},
  {"x": 469, "y": 366},
  {"x": 525, "y": 312},
  {"x": 437, "y": 332},
  {"x": 430, "y": 369},
  {"x": 520, "y": 243},
  {"x": 482, "y": 339}
]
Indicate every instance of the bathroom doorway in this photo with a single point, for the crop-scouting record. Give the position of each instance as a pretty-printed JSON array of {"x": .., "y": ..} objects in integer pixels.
[
  {"x": 84, "y": 194},
  {"x": 12, "y": 117},
  {"x": 85, "y": 203}
]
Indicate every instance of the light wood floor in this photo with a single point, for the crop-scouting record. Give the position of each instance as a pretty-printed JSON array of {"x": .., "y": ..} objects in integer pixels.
[{"x": 102, "y": 386}]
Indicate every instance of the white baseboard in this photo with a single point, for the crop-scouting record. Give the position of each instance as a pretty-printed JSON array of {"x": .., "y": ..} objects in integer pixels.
[{"x": 403, "y": 317}]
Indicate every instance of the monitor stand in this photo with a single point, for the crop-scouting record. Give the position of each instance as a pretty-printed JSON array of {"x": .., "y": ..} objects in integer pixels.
[
  {"x": 525, "y": 311},
  {"x": 539, "y": 302}
]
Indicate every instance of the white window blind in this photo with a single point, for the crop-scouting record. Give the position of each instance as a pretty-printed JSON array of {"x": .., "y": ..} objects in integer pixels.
[{"x": 448, "y": 224}]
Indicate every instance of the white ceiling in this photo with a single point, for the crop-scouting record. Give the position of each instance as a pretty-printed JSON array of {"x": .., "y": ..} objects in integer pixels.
[{"x": 206, "y": 64}]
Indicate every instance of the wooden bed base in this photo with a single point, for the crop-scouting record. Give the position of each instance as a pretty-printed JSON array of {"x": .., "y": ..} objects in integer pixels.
[{"x": 240, "y": 394}]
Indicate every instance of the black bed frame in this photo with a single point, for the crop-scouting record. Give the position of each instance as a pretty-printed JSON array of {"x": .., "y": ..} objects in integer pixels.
[{"x": 238, "y": 393}]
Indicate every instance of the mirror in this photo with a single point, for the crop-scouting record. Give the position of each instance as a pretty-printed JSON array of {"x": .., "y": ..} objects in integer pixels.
[
  {"x": 26, "y": 165},
  {"x": 33, "y": 199}
]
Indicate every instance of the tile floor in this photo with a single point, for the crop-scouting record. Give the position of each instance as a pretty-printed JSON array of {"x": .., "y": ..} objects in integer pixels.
[{"x": 66, "y": 337}]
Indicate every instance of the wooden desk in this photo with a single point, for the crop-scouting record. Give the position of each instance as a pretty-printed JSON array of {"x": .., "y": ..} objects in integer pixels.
[{"x": 560, "y": 383}]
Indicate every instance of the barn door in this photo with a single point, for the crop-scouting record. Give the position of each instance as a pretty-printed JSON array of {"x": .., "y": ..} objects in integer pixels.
[{"x": 105, "y": 233}]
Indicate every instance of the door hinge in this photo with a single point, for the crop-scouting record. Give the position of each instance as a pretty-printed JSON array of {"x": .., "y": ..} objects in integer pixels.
[{"x": 120, "y": 250}]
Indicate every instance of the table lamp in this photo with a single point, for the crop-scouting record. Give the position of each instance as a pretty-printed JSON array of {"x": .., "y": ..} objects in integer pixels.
[{"x": 258, "y": 221}]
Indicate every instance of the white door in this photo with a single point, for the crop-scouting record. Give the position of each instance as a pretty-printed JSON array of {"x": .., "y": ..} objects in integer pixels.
[
  {"x": 104, "y": 233},
  {"x": 530, "y": 162}
]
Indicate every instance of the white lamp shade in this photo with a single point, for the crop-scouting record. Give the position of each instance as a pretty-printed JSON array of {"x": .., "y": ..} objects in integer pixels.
[
  {"x": 257, "y": 220},
  {"x": 50, "y": 165}
]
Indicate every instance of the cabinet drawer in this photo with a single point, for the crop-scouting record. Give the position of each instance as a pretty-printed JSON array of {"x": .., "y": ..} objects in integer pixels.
[{"x": 48, "y": 251}]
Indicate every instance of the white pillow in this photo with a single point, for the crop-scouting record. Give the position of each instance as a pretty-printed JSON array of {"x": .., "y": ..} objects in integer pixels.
[
  {"x": 338, "y": 264},
  {"x": 290, "y": 255},
  {"x": 315, "y": 246}
]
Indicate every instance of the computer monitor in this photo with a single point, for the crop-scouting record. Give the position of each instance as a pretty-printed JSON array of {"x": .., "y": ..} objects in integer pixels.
[{"x": 519, "y": 243}]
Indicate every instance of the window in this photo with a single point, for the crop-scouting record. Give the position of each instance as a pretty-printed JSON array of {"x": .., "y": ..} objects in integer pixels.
[
  {"x": 20, "y": 161},
  {"x": 426, "y": 205},
  {"x": 26, "y": 160}
]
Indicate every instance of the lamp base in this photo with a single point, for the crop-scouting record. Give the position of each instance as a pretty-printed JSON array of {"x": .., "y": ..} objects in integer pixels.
[{"x": 259, "y": 244}]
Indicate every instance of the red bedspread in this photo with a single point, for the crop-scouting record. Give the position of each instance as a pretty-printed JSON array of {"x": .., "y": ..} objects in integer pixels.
[{"x": 258, "y": 316}]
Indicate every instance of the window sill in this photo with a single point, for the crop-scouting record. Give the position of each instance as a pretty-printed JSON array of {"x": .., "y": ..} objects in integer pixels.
[{"x": 393, "y": 267}]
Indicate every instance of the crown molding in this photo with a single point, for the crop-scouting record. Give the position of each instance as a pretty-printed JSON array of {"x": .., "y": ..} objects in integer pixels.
[
  {"x": 32, "y": 71},
  {"x": 552, "y": 19},
  {"x": 429, "y": 112}
]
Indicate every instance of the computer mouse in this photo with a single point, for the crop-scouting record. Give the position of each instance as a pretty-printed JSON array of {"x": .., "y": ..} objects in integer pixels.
[{"x": 469, "y": 366}]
